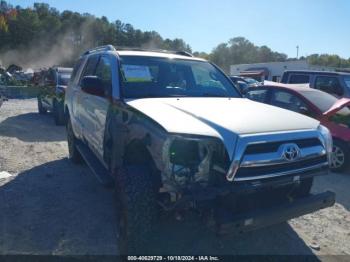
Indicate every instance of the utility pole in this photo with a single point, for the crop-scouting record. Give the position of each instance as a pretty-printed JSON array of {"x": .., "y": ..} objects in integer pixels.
[{"x": 297, "y": 52}]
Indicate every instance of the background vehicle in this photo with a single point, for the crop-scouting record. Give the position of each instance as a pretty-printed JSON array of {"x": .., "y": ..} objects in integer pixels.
[
  {"x": 334, "y": 83},
  {"x": 244, "y": 83},
  {"x": 158, "y": 125},
  {"x": 330, "y": 111},
  {"x": 51, "y": 97}
]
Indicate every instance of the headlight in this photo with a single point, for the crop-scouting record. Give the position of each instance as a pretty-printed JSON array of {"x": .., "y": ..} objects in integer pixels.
[
  {"x": 327, "y": 137},
  {"x": 186, "y": 151},
  {"x": 189, "y": 158}
]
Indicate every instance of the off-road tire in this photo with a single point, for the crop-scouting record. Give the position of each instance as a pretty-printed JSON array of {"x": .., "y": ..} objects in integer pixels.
[
  {"x": 340, "y": 147},
  {"x": 136, "y": 208},
  {"x": 41, "y": 108},
  {"x": 74, "y": 154},
  {"x": 58, "y": 112}
]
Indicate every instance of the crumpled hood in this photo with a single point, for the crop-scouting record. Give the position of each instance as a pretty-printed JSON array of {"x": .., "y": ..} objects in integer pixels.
[
  {"x": 223, "y": 118},
  {"x": 215, "y": 116}
]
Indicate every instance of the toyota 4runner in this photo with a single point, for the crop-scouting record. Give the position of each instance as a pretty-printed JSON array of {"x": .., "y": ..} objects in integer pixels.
[{"x": 172, "y": 133}]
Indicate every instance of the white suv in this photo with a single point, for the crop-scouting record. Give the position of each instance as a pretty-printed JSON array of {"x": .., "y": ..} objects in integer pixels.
[{"x": 172, "y": 133}]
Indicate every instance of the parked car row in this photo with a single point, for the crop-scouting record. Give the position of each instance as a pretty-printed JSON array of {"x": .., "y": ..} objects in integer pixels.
[{"x": 171, "y": 132}]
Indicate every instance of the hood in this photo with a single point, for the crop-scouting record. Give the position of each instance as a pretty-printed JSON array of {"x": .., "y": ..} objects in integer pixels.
[
  {"x": 340, "y": 104},
  {"x": 220, "y": 117}
]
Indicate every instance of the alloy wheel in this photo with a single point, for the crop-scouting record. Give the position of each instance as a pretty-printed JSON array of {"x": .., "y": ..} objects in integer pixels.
[{"x": 338, "y": 157}]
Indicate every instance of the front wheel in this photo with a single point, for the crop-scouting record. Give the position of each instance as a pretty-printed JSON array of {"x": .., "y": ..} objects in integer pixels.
[
  {"x": 136, "y": 208},
  {"x": 340, "y": 156}
]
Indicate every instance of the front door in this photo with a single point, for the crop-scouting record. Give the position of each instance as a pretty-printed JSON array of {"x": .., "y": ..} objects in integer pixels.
[{"x": 100, "y": 104}]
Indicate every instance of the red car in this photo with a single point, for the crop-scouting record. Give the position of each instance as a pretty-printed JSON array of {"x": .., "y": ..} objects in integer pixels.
[{"x": 329, "y": 110}]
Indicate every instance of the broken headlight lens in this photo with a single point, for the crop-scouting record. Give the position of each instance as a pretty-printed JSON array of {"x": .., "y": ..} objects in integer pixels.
[{"x": 189, "y": 159}]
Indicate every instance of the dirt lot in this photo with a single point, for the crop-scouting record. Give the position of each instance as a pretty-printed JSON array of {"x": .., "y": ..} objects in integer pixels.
[{"x": 50, "y": 206}]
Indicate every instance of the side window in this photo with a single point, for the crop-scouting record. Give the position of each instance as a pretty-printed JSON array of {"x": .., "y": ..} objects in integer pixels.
[
  {"x": 104, "y": 72},
  {"x": 288, "y": 101},
  {"x": 329, "y": 84},
  {"x": 257, "y": 95},
  {"x": 299, "y": 79},
  {"x": 90, "y": 66}
]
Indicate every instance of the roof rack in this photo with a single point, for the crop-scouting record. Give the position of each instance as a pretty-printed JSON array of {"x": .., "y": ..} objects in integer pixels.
[
  {"x": 183, "y": 53},
  {"x": 112, "y": 48},
  {"x": 100, "y": 48}
]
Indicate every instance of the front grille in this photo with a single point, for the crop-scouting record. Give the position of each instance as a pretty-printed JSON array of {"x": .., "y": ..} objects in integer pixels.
[
  {"x": 274, "y": 146},
  {"x": 245, "y": 172}
]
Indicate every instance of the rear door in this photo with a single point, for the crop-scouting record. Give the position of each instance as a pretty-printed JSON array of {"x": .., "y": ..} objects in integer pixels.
[
  {"x": 83, "y": 110},
  {"x": 73, "y": 96}
]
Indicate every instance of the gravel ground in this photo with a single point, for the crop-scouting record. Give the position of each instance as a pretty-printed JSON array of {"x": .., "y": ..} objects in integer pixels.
[{"x": 50, "y": 206}]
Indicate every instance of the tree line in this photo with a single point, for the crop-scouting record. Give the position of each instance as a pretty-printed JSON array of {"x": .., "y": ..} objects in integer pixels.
[{"x": 42, "y": 34}]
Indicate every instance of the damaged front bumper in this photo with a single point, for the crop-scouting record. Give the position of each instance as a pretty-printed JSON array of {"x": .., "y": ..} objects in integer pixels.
[{"x": 274, "y": 215}]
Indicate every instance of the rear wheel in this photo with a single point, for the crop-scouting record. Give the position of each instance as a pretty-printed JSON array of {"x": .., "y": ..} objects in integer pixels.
[
  {"x": 41, "y": 108},
  {"x": 136, "y": 207},
  {"x": 74, "y": 154},
  {"x": 340, "y": 156}
]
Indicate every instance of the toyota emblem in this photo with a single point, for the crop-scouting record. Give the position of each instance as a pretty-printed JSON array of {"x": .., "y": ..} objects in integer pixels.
[{"x": 290, "y": 152}]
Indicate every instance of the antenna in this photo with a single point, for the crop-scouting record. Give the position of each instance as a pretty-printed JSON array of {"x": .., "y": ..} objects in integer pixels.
[{"x": 297, "y": 51}]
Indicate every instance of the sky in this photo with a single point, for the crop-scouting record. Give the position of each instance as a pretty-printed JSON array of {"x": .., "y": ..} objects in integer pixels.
[{"x": 316, "y": 26}]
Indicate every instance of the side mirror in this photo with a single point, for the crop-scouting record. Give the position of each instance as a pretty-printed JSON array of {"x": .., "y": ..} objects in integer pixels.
[{"x": 92, "y": 85}]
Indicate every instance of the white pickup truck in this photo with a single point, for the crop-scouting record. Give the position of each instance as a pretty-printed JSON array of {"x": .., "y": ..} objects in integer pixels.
[{"x": 171, "y": 133}]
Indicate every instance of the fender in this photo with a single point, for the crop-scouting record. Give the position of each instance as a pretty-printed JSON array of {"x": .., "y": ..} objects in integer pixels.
[{"x": 125, "y": 125}]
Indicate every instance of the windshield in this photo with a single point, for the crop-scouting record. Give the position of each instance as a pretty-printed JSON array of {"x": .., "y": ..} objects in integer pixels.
[
  {"x": 164, "y": 77},
  {"x": 323, "y": 100},
  {"x": 63, "y": 79},
  {"x": 347, "y": 81},
  {"x": 320, "y": 99}
]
